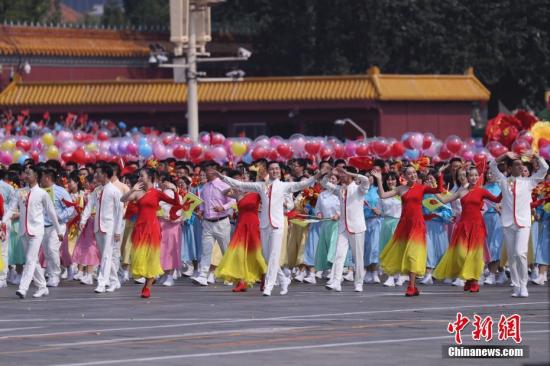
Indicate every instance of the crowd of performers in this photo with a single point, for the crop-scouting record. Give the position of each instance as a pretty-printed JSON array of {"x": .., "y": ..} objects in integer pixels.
[{"x": 392, "y": 223}]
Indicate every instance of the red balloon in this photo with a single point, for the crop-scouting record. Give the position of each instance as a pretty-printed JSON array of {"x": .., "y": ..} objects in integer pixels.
[
  {"x": 285, "y": 150},
  {"x": 480, "y": 158},
  {"x": 521, "y": 146},
  {"x": 35, "y": 156},
  {"x": 209, "y": 155},
  {"x": 23, "y": 145},
  {"x": 180, "y": 152},
  {"x": 339, "y": 151},
  {"x": 259, "y": 152},
  {"x": 78, "y": 136},
  {"x": 428, "y": 141},
  {"x": 313, "y": 147},
  {"x": 326, "y": 152},
  {"x": 454, "y": 145},
  {"x": 65, "y": 157},
  {"x": 102, "y": 136},
  {"x": 379, "y": 147},
  {"x": 362, "y": 150},
  {"x": 217, "y": 139},
  {"x": 104, "y": 156},
  {"x": 273, "y": 155},
  {"x": 79, "y": 156},
  {"x": 397, "y": 149},
  {"x": 195, "y": 152},
  {"x": 444, "y": 153}
]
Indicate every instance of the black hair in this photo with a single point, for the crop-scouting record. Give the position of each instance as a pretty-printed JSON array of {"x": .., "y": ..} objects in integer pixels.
[
  {"x": 186, "y": 180},
  {"x": 339, "y": 161},
  {"x": 165, "y": 177},
  {"x": 37, "y": 171},
  {"x": 351, "y": 169},
  {"x": 3, "y": 174},
  {"x": 76, "y": 178},
  {"x": 234, "y": 173},
  {"x": 50, "y": 173},
  {"x": 116, "y": 169},
  {"x": 389, "y": 175},
  {"x": 14, "y": 178},
  {"x": 106, "y": 169},
  {"x": 273, "y": 162},
  {"x": 152, "y": 173}
]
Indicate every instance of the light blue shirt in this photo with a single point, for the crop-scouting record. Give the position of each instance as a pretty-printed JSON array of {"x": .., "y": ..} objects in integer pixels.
[
  {"x": 7, "y": 192},
  {"x": 64, "y": 213},
  {"x": 372, "y": 200}
]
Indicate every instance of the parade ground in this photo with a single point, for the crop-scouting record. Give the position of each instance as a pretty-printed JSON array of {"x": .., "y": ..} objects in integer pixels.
[{"x": 190, "y": 325}]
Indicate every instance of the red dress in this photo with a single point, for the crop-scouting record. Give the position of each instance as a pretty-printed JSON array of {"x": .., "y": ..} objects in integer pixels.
[
  {"x": 146, "y": 235},
  {"x": 467, "y": 251},
  {"x": 243, "y": 259},
  {"x": 406, "y": 250}
]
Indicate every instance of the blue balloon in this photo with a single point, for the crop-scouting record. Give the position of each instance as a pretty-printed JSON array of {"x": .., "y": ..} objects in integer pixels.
[
  {"x": 122, "y": 125},
  {"x": 142, "y": 140},
  {"x": 411, "y": 154},
  {"x": 247, "y": 158},
  {"x": 134, "y": 130},
  {"x": 145, "y": 150},
  {"x": 22, "y": 159}
]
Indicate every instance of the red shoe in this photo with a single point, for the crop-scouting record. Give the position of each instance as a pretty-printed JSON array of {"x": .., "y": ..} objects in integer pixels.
[
  {"x": 146, "y": 292},
  {"x": 241, "y": 287},
  {"x": 468, "y": 285},
  {"x": 474, "y": 287},
  {"x": 262, "y": 284},
  {"x": 412, "y": 291}
]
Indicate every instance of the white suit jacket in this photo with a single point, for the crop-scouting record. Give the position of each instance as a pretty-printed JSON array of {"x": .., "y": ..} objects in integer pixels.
[
  {"x": 109, "y": 210},
  {"x": 516, "y": 195},
  {"x": 273, "y": 195},
  {"x": 351, "y": 198},
  {"x": 34, "y": 204}
]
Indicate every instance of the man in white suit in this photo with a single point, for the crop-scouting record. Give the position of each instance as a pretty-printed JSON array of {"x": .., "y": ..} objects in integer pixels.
[
  {"x": 33, "y": 203},
  {"x": 108, "y": 223},
  {"x": 516, "y": 214},
  {"x": 272, "y": 218},
  {"x": 351, "y": 224}
]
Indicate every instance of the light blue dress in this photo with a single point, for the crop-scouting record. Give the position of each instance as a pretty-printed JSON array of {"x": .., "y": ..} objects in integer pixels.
[
  {"x": 542, "y": 248},
  {"x": 327, "y": 205},
  {"x": 437, "y": 239},
  {"x": 312, "y": 239},
  {"x": 374, "y": 226},
  {"x": 391, "y": 212},
  {"x": 493, "y": 224}
]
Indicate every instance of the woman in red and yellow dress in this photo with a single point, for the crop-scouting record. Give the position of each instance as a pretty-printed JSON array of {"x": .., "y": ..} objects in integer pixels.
[
  {"x": 406, "y": 250},
  {"x": 146, "y": 235},
  {"x": 467, "y": 252},
  {"x": 243, "y": 261}
]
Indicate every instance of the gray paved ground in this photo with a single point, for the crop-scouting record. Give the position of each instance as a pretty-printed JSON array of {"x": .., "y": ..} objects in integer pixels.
[{"x": 188, "y": 325}]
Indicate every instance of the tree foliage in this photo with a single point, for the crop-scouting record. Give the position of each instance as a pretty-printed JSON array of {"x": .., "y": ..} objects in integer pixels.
[{"x": 43, "y": 11}]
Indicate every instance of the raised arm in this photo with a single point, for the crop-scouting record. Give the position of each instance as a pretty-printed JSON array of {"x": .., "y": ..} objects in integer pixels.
[
  {"x": 243, "y": 186},
  {"x": 451, "y": 197},
  {"x": 132, "y": 194},
  {"x": 493, "y": 166},
  {"x": 439, "y": 188},
  {"x": 67, "y": 211},
  {"x": 329, "y": 186},
  {"x": 539, "y": 175},
  {"x": 491, "y": 197},
  {"x": 381, "y": 192},
  {"x": 298, "y": 186}
]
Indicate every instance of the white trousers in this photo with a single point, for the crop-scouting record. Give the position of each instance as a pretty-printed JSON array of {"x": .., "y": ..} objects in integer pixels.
[
  {"x": 272, "y": 241},
  {"x": 107, "y": 272},
  {"x": 32, "y": 269},
  {"x": 51, "y": 246},
  {"x": 357, "y": 244},
  {"x": 220, "y": 232},
  {"x": 116, "y": 249},
  {"x": 517, "y": 242}
]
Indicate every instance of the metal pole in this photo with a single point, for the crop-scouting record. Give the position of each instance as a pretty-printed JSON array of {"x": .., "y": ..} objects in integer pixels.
[
  {"x": 357, "y": 127},
  {"x": 192, "y": 94}
]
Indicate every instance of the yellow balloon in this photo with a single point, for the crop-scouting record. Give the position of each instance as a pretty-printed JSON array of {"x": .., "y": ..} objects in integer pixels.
[
  {"x": 48, "y": 139},
  {"x": 238, "y": 148},
  {"x": 8, "y": 145},
  {"x": 16, "y": 155},
  {"x": 52, "y": 152},
  {"x": 91, "y": 147}
]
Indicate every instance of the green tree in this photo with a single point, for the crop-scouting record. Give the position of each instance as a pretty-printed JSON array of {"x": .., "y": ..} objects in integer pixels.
[
  {"x": 113, "y": 14},
  {"x": 44, "y": 11}
]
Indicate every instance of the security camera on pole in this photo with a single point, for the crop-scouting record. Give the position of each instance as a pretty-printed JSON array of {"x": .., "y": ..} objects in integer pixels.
[{"x": 190, "y": 30}]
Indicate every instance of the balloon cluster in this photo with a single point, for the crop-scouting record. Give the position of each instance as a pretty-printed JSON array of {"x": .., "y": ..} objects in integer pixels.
[{"x": 85, "y": 148}]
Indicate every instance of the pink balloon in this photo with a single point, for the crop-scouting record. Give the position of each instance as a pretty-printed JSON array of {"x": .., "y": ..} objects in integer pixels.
[
  {"x": 297, "y": 142},
  {"x": 159, "y": 150},
  {"x": 416, "y": 140},
  {"x": 350, "y": 148},
  {"x": 204, "y": 138},
  {"x": 468, "y": 155},
  {"x": 68, "y": 147},
  {"x": 5, "y": 158},
  {"x": 132, "y": 148},
  {"x": 219, "y": 153},
  {"x": 217, "y": 138},
  {"x": 275, "y": 141}
]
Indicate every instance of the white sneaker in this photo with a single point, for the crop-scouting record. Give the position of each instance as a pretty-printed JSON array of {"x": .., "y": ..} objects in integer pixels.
[
  {"x": 176, "y": 274},
  {"x": 534, "y": 274},
  {"x": 3, "y": 284},
  {"x": 266, "y": 292},
  {"x": 427, "y": 280},
  {"x": 227, "y": 283},
  {"x": 311, "y": 278},
  {"x": 490, "y": 279},
  {"x": 112, "y": 288},
  {"x": 189, "y": 271},
  {"x": 350, "y": 276},
  {"x": 21, "y": 293},
  {"x": 401, "y": 280},
  {"x": 523, "y": 292},
  {"x": 502, "y": 278},
  {"x": 99, "y": 289},
  {"x": 368, "y": 278},
  {"x": 53, "y": 282},
  {"x": 284, "y": 286},
  {"x": 358, "y": 288},
  {"x": 211, "y": 278},
  {"x": 334, "y": 286},
  {"x": 328, "y": 274},
  {"x": 64, "y": 274},
  {"x": 319, "y": 274},
  {"x": 540, "y": 280},
  {"x": 447, "y": 281},
  {"x": 200, "y": 280},
  {"x": 17, "y": 279},
  {"x": 287, "y": 272},
  {"x": 87, "y": 279},
  {"x": 300, "y": 276},
  {"x": 458, "y": 282},
  {"x": 125, "y": 276},
  {"x": 375, "y": 278},
  {"x": 78, "y": 276},
  {"x": 43, "y": 291},
  {"x": 390, "y": 282},
  {"x": 140, "y": 280},
  {"x": 162, "y": 278},
  {"x": 169, "y": 281}
]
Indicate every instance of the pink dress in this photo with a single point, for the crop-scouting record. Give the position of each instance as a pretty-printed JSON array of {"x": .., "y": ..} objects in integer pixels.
[
  {"x": 86, "y": 252},
  {"x": 170, "y": 243}
]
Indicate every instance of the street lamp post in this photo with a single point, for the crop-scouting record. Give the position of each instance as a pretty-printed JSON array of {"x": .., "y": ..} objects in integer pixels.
[
  {"x": 192, "y": 94},
  {"x": 342, "y": 122}
]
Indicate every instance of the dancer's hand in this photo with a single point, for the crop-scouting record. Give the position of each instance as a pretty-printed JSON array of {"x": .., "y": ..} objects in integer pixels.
[
  {"x": 138, "y": 187},
  {"x": 443, "y": 168},
  {"x": 376, "y": 174}
]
